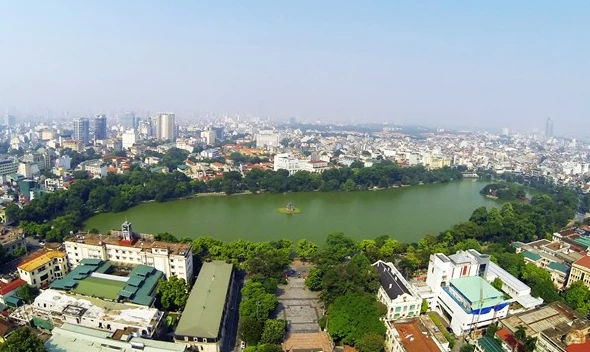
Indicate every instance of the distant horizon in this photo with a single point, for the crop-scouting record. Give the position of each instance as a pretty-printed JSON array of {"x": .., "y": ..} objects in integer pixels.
[{"x": 484, "y": 65}]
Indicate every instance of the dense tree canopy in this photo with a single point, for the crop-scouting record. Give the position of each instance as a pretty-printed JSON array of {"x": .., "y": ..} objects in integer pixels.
[
  {"x": 23, "y": 340},
  {"x": 172, "y": 294},
  {"x": 354, "y": 315}
]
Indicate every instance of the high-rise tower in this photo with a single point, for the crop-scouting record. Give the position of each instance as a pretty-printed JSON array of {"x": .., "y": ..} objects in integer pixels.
[
  {"x": 165, "y": 126},
  {"x": 549, "y": 128},
  {"x": 100, "y": 127},
  {"x": 81, "y": 130}
]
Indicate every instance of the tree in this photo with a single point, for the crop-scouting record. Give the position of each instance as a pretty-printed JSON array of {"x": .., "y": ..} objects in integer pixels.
[
  {"x": 497, "y": 284},
  {"x": 256, "y": 302},
  {"x": 354, "y": 315},
  {"x": 424, "y": 307},
  {"x": 274, "y": 330},
  {"x": 349, "y": 185},
  {"x": 314, "y": 279},
  {"x": 172, "y": 294},
  {"x": 28, "y": 293},
  {"x": 251, "y": 330},
  {"x": 306, "y": 250},
  {"x": 467, "y": 348},
  {"x": 370, "y": 342},
  {"x": 520, "y": 333},
  {"x": 23, "y": 340},
  {"x": 540, "y": 282},
  {"x": 577, "y": 296},
  {"x": 357, "y": 164}
]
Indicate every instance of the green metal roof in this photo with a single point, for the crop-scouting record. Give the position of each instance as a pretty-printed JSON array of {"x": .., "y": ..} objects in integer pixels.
[
  {"x": 583, "y": 240},
  {"x": 204, "y": 309},
  {"x": 90, "y": 261},
  {"x": 477, "y": 291},
  {"x": 532, "y": 256},
  {"x": 13, "y": 301},
  {"x": 135, "y": 281},
  {"x": 488, "y": 344},
  {"x": 559, "y": 267}
]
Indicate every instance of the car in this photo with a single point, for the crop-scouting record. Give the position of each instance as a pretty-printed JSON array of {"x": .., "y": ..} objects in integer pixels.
[{"x": 242, "y": 344}]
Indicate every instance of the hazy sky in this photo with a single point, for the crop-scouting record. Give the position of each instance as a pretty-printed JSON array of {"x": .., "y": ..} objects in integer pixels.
[{"x": 470, "y": 63}]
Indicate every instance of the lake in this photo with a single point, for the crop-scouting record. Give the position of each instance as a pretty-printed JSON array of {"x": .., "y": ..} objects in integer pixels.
[{"x": 406, "y": 214}]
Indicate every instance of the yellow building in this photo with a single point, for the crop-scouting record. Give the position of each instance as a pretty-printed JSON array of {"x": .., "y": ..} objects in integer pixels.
[
  {"x": 580, "y": 271},
  {"x": 40, "y": 269}
]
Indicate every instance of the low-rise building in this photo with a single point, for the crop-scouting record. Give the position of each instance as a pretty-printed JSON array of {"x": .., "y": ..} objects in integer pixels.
[
  {"x": 12, "y": 239},
  {"x": 74, "y": 338},
  {"x": 580, "y": 271},
  {"x": 557, "y": 328},
  {"x": 515, "y": 288},
  {"x": 41, "y": 268},
  {"x": 400, "y": 298},
  {"x": 58, "y": 307},
  {"x": 208, "y": 304},
  {"x": 96, "y": 278},
  {"x": 127, "y": 247},
  {"x": 410, "y": 336},
  {"x": 470, "y": 302},
  {"x": 9, "y": 287}
]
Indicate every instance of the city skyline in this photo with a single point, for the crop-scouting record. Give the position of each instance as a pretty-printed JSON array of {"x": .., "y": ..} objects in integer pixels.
[{"x": 479, "y": 65}]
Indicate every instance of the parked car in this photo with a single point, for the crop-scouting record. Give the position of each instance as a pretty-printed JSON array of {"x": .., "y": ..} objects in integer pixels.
[{"x": 242, "y": 344}]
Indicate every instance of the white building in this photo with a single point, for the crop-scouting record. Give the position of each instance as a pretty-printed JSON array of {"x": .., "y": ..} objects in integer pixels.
[
  {"x": 64, "y": 161},
  {"x": 59, "y": 307},
  {"x": 95, "y": 167},
  {"x": 268, "y": 138},
  {"x": 8, "y": 166},
  {"x": 208, "y": 137},
  {"x": 401, "y": 299},
  {"x": 28, "y": 170},
  {"x": 165, "y": 126},
  {"x": 456, "y": 288},
  {"x": 40, "y": 270},
  {"x": 126, "y": 247},
  {"x": 515, "y": 288},
  {"x": 411, "y": 336},
  {"x": 286, "y": 161},
  {"x": 129, "y": 138}
]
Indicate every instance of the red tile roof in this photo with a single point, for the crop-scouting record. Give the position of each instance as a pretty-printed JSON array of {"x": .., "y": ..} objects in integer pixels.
[
  {"x": 581, "y": 347},
  {"x": 11, "y": 286},
  {"x": 584, "y": 261},
  {"x": 506, "y": 336}
]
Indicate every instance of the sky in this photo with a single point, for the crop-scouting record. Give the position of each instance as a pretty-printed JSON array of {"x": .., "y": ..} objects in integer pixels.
[{"x": 438, "y": 63}]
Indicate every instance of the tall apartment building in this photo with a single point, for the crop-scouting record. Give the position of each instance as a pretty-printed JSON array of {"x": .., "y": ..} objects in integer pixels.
[
  {"x": 100, "y": 127},
  {"x": 129, "y": 248},
  {"x": 129, "y": 138},
  {"x": 165, "y": 127},
  {"x": 82, "y": 130}
]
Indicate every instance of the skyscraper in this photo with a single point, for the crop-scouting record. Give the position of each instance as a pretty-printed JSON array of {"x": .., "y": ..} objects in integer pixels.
[
  {"x": 128, "y": 120},
  {"x": 100, "y": 127},
  {"x": 81, "y": 130},
  {"x": 549, "y": 128},
  {"x": 165, "y": 126}
]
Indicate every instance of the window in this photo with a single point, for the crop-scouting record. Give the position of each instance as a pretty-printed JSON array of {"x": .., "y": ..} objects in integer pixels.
[
  {"x": 412, "y": 307},
  {"x": 398, "y": 309}
]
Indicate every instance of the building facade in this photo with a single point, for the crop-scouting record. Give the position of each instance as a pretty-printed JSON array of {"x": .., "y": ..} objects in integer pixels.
[
  {"x": 165, "y": 126},
  {"x": 580, "y": 271},
  {"x": 40, "y": 270},
  {"x": 81, "y": 130},
  {"x": 127, "y": 247},
  {"x": 100, "y": 127},
  {"x": 400, "y": 298}
]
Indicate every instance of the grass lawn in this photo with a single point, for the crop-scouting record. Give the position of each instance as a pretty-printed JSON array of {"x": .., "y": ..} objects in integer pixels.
[{"x": 100, "y": 288}]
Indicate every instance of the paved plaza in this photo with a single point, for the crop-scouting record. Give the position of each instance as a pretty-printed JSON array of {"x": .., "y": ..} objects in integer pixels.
[{"x": 300, "y": 307}]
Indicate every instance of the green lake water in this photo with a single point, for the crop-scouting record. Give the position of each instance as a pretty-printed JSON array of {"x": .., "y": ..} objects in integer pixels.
[{"x": 406, "y": 214}]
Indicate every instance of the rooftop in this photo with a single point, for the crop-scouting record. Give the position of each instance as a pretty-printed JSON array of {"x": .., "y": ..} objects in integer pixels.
[
  {"x": 583, "y": 262},
  {"x": 75, "y": 338},
  {"x": 530, "y": 255},
  {"x": 206, "y": 301},
  {"x": 415, "y": 338},
  {"x": 94, "y": 308},
  {"x": 39, "y": 260},
  {"x": 6, "y": 287},
  {"x": 477, "y": 291},
  {"x": 91, "y": 278},
  {"x": 488, "y": 344},
  {"x": 143, "y": 244},
  {"x": 391, "y": 280},
  {"x": 9, "y": 235},
  {"x": 541, "y": 319},
  {"x": 559, "y": 267}
]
